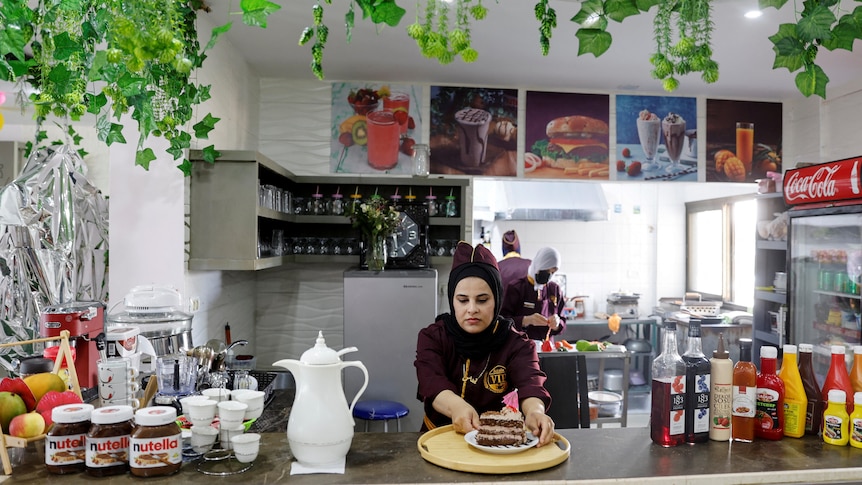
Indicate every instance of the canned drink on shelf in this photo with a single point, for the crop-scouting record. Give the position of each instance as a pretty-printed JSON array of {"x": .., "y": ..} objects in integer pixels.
[
  {"x": 840, "y": 279},
  {"x": 826, "y": 280}
]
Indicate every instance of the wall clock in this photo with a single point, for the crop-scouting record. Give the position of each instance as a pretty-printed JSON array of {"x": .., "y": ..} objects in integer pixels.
[{"x": 408, "y": 245}]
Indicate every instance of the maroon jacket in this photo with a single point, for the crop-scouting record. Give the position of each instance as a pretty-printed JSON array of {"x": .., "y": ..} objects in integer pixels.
[
  {"x": 440, "y": 368},
  {"x": 522, "y": 299}
]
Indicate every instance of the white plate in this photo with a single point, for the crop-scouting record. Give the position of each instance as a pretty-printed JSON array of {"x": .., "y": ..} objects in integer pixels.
[{"x": 532, "y": 441}]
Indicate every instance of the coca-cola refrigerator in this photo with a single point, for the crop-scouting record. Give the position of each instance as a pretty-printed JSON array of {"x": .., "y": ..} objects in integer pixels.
[{"x": 825, "y": 257}]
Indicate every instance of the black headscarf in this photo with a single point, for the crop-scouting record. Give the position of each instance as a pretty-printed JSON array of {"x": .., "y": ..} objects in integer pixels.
[{"x": 478, "y": 262}]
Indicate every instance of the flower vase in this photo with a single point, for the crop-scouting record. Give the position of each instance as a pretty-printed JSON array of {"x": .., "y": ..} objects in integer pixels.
[{"x": 376, "y": 255}]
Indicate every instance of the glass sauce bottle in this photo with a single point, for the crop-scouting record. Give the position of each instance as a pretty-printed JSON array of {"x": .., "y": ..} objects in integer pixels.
[
  {"x": 667, "y": 414},
  {"x": 856, "y": 369},
  {"x": 814, "y": 409},
  {"x": 795, "y": 400},
  {"x": 770, "y": 397},
  {"x": 697, "y": 387},
  {"x": 744, "y": 401},
  {"x": 720, "y": 392}
]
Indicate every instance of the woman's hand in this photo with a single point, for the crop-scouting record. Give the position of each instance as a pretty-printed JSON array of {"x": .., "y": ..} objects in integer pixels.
[
  {"x": 464, "y": 416},
  {"x": 534, "y": 320},
  {"x": 539, "y": 423},
  {"x": 554, "y": 321}
]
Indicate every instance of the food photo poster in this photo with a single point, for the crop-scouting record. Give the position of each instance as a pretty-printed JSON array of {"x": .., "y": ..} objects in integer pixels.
[
  {"x": 566, "y": 136},
  {"x": 656, "y": 138},
  {"x": 473, "y": 131},
  {"x": 374, "y": 127},
  {"x": 743, "y": 140}
]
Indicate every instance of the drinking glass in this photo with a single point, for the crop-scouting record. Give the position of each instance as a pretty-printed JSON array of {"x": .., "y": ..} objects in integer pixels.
[
  {"x": 674, "y": 139},
  {"x": 649, "y": 134},
  {"x": 745, "y": 144}
]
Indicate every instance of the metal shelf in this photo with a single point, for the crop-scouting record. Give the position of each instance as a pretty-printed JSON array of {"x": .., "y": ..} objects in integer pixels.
[{"x": 770, "y": 296}]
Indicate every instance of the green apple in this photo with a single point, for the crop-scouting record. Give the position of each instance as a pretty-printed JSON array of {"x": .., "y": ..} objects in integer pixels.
[{"x": 11, "y": 405}]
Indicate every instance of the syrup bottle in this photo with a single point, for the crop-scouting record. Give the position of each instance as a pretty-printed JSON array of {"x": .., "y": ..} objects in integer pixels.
[
  {"x": 697, "y": 387},
  {"x": 770, "y": 397},
  {"x": 667, "y": 414},
  {"x": 837, "y": 378},
  {"x": 744, "y": 401},
  {"x": 795, "y": 400},
  {"x": 720, "y": 392},
  {"x": 814, "y": 410}
]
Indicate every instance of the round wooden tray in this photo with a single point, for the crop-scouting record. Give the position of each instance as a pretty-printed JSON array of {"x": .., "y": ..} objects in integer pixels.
[{"x": 445, "y": 447}]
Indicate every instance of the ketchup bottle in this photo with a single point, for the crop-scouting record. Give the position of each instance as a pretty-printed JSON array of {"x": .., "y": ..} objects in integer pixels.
[
  {"x": 837, "y": 378},
  {"x": 770, "y": 397}
]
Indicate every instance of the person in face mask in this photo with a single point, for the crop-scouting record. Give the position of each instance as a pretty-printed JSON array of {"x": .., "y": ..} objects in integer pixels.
[{"x": 534, "y": 302}]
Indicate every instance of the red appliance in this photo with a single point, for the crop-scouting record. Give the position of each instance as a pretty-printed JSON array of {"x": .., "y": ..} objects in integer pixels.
[{"x": 84, "y": 321}]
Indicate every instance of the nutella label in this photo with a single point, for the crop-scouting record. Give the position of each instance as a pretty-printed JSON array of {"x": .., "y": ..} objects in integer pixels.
[
  {"x": 155, "y": 452},
  {"x": 65, "y": 450},
  {"x": 105, "y": 452}
]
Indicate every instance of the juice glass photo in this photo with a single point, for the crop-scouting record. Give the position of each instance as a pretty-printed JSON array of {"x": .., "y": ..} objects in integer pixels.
[
  {"x": 398, "y": 101},
  {"x": 649, "y": 134},
  {"x": 745, "y": 144},
  {"x": 383, "y": 138},
  {"x": 473, "y": 130}
]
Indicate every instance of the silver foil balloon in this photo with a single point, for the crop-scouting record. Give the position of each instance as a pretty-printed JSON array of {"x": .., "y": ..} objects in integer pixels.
[{"x": 53, "y": 244}]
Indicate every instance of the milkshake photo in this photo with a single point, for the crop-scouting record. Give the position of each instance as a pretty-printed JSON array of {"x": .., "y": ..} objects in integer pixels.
[
  {"x": 649, "y": 133},
  {"x": 473, "y": 133},
  {"x": 673, "y": 127}
]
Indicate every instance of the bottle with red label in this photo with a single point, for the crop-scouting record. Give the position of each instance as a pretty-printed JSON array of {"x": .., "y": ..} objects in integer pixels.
[
  {"x": 667, "y": 418},
  {"x": 814, "y": 411},
  {"x": 744, "y": 395},
  {"x": 837, "y": 378},
  {"x": 769, "y": 421}
]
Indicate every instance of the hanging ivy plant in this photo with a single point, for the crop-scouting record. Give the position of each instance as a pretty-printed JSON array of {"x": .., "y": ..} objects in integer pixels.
[
  {"x": 687, "y": 50},
  {"x": 435, "y": 38},
  {"x": 116, "y": 57},
  {"x": 379, "y": 11},
  {"x": 819, "y": 25}
]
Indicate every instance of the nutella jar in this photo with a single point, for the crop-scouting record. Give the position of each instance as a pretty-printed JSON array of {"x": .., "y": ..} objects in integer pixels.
[
  {"x": 65, "y": 450},
  {"x": 108, "y": 441},
  {"x": 156, "y": 446}
]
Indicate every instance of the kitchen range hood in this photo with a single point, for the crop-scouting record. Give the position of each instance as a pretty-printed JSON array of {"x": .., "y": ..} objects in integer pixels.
[{"x": 533, "y": 200}]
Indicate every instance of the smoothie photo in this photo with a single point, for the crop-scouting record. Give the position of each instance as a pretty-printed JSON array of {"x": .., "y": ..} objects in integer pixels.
[
  {"x": 398, "y": 101},
  {"x": 649, "y": 133},
  {"x": 383, "y": 139},
  {"x": 473, "y": 134},
  {"x": 673, "y": 127}
]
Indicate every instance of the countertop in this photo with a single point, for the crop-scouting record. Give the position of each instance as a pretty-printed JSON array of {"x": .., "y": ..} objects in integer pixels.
[{"x": 614, "y": 455}]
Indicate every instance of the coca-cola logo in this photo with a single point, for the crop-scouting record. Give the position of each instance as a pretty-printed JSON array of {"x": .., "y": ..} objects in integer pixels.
[{"x": 819, "y": 185}]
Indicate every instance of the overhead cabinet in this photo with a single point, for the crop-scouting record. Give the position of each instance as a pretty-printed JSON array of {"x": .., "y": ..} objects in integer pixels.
[{"x": 249, "y": 213}]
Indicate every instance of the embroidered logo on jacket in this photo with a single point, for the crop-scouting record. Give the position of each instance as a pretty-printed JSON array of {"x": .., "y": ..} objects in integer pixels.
[{"x": 495, "y": 380}]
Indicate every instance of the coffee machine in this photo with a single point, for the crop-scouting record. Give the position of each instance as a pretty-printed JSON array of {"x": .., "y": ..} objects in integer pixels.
[{"x": 84, "y": 321}]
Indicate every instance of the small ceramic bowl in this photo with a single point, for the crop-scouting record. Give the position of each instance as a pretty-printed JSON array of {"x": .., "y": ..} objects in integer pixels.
[
  {"x": 203, "y": 438},
  {"x": 246, "y": 447},
  {"x": 231, "y": 413}
]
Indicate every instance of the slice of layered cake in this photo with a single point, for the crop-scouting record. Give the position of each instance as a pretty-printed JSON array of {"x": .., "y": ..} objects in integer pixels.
[{"x": 500, "y": 428}]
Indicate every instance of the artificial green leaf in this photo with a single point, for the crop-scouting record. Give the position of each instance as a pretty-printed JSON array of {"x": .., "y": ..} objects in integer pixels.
[
  {"x": 65, "y": 47},
  {"x": 789, "y": 53},
  {"x": 60, "y": 76},
  {"x": 645, "y": 5},
  {"x": 816, "y": 25},
  {"x": 812, "y": 81},
  {"x": 255, "y": 12},
  {"x": 185, "y": 167},
  {"x": 110, "y": 133},
  {"x": 590, "y": 11},
  {"x": 771, "y": 3},
  {"x": 216, "y": 32},
  {"x": 593, "y": 41},
  {"x": 210, "y": 154},
  {"x": 387, "y": 12},
  {"x": 618, "y": 10},
  {"x": 143, "y": 114},
  {"x": 144, "y": 157},
  {"x": 20, "y": 68},
  {"x": 204, "y": 126},
  {"x": 131, "y": 85},
  {"x": 13, "y": 41},
  {"x": 843, "y": 36}
]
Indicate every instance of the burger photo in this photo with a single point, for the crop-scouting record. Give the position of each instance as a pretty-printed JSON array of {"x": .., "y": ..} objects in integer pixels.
[{"x": 574, "y": 143}]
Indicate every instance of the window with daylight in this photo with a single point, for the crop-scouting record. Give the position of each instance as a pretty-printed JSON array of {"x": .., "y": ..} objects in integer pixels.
[{"x": 720, "y": 240}]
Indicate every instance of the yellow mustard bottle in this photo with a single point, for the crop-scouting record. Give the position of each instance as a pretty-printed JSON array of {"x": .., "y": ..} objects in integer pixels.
[
  {"x": 795, "y": 400},
  {"x": 856, "y": 421},
  {"x": 836, "y": 421}
]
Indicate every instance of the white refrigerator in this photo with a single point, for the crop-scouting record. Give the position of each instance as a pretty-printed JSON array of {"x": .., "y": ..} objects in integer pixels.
[{"x": 383, "y": 313}]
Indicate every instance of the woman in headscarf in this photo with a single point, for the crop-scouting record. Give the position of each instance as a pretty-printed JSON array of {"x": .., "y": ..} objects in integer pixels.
[
  {"x": 512, "y": 266},
  {"x": 535, "y": 303},
  {"x": 469, "y": 358}
]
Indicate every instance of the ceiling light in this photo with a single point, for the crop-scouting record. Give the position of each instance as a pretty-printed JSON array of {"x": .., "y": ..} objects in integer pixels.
[{"x": 753, "y": 14}]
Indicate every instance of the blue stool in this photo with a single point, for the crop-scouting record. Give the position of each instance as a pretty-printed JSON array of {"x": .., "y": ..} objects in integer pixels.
[{"x": 380, "y": 411}]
